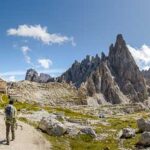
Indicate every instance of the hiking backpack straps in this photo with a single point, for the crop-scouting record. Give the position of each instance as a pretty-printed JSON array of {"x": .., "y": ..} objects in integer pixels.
[{"x": 9, "y": 112}]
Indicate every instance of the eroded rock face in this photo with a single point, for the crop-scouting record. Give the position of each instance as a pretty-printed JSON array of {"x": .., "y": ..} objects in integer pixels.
[
  {"x": 32, "y": 75},
  {"x": 126, "y": 72},
  {"x": 116, "y": 76},
  {"x": 79, "y": 71},
  {"x": 102, "y": 81}
]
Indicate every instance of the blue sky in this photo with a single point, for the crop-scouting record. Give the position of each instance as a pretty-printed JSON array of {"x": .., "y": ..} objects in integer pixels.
[{"x": 49, "y": 35}]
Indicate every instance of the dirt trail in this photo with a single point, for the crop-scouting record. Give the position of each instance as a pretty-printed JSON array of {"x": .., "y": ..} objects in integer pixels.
[{"x": 26, "y": 139}]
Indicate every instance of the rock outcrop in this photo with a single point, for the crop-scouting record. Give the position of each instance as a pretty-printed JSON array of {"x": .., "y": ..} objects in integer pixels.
[
  {"x": 145, "y": 140},
  {"x": 126, "y": 72},
  {"x": 143, "y": 125},
  {"x": 102, "y": 81},
  {"x": 127, "y": 133},
  {"x": 79, "y": 72},
  {"x": 33, "y": 76}
]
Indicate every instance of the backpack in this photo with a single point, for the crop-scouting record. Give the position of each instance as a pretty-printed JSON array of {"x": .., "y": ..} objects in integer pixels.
[{"x": 9, "y": 112}]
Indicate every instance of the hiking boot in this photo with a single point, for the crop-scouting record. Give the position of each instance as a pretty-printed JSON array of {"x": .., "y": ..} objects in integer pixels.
[{"x": 7, "y": 143}]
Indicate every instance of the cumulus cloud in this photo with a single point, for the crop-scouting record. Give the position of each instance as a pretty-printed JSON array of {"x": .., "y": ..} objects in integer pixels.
[
  {"x": 45, "y": 63},
  {"x": 141, "y": 56},
  {"x": 39, "y": 33},
  {"x": 25, "y": 50}
]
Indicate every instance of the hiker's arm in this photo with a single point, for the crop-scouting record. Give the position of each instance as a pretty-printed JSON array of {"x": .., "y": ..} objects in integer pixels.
[
  {"x": 15, "y": 113},
  {"x": 5, "y": 113}
]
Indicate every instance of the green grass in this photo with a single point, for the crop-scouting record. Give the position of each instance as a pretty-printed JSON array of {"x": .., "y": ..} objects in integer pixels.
[
  {"x": 130, "y": 143},
  {"x": 85, "y": 142},
  {"x": 69, "y": 113},
  {"x": 27, "y": 106},
  {"x": 82, "y": 142},
  {"x": 4, "y": 101},
  {"x": 19, "y": 105},
  {"x": 25, "y": 120}
]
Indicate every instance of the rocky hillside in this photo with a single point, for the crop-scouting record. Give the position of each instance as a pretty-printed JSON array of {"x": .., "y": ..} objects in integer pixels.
[
  {"x": 52, "y": 93},
  {"x": 116, "y": 76}
]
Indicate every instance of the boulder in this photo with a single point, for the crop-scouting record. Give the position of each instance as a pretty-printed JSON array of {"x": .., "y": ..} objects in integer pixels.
[
  {"x": 52, "y": 126},
  {"x": 143, "y": 125},
  {"x": 127, "y": 133},
  {"x": 89, "y": 131},
  {"x": 72, "y": 131},
  {"x": 145, "y": 139}
]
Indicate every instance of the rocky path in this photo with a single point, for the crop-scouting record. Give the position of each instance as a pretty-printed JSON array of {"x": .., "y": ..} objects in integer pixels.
[{"x": 26, "y": 139}]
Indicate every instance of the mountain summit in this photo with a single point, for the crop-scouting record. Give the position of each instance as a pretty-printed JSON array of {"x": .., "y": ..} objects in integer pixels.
[{"x": 116, "y": 76}]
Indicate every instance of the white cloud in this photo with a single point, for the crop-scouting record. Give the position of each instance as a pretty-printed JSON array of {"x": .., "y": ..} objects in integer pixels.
[
  {"x": 141, "y": 56},
  {"x": 45, "y": 63},
  {"x": 12, "y": 78},
  {"x": 9, "y": 78},
  {"x": 39, "y": 33},
  {"x": 25, "y": 50}
]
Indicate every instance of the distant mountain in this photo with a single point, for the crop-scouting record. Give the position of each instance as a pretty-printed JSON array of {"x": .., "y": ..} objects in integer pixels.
[
  {"x": 80, "y": 71},
  {"x": 116, "y": 76},
  {"x": 32, "y": 75}
]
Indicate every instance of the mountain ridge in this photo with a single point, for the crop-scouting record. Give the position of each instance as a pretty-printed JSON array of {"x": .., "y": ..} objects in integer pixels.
[{"x": 116, "y": 76}]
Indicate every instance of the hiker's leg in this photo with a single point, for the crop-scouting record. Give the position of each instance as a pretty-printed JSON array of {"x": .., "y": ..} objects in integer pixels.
[
  {"x": 13, "y": 131},
  {"x": 7, "y": 132}
]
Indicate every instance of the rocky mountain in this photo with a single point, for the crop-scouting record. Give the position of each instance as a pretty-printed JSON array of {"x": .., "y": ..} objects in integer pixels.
[
  {"x": 107, "y": 79},
  {"x": 32, "y": 75},
  {"x": 116, "y": 76},
  {"x": 80, "y": 71},
  {"x": 146, "y": 74}
]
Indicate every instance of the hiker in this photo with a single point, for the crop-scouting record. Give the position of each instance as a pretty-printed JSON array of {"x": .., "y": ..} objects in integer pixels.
[{"x": 10, "y": 119}]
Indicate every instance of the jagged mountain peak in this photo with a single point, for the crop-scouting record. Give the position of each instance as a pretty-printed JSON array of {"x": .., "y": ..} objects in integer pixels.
[
  {"x": 118, "y": 80},
  {"x": 115, "y": 77},
  {"x": 120, "y": 40}
]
